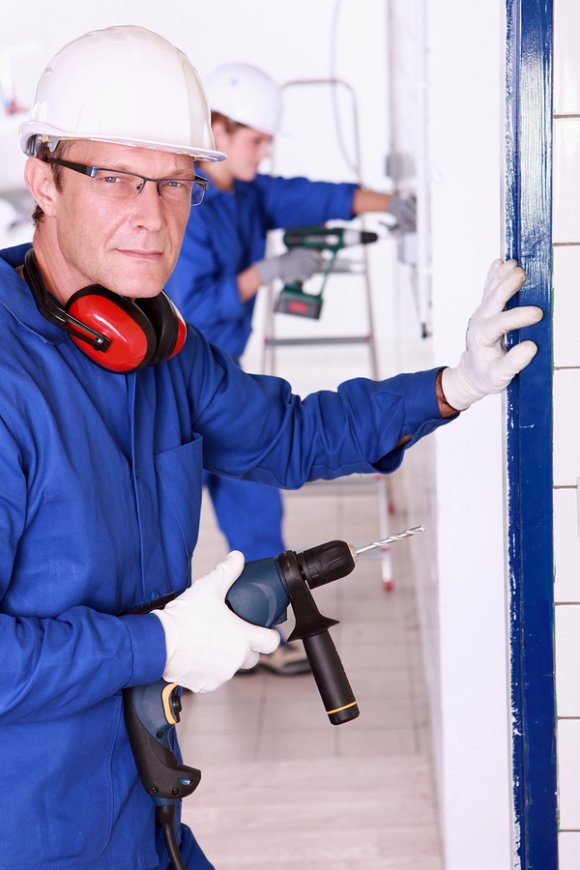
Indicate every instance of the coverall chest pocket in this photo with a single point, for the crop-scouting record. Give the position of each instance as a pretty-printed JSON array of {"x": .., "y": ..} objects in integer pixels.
[{"x": 179, "y": 485}]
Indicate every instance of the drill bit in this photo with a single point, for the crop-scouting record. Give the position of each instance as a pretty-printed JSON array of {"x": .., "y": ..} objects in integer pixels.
[{"x": 392, "y": 539}]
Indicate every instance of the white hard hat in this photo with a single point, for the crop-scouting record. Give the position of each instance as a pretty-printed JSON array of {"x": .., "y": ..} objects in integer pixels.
[
  {"x": 247, "y": 95},
  {"x": 125, "y": 85}
]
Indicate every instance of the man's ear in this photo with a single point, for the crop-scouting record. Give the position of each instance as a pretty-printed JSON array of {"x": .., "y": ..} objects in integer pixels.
[
  {"x": 40, "y": 182},
  {"x": 220, "y": 134}
]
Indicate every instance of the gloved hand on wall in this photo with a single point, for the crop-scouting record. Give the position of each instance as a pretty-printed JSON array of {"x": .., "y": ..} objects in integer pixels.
[
  {"x": 296, "y": 265},
  {"x": 486, "y": 366},
  {"x": 404, "y": 210},
  {"x": 206, "y": 642}
]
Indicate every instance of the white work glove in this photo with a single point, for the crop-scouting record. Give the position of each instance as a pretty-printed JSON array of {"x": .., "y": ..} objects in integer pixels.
[
  {"x": 206, "y": 642},
  {"x": 486, "y": 366},
  {"x": 296, "y": 265},
  {"x": 404, "y": 211}
]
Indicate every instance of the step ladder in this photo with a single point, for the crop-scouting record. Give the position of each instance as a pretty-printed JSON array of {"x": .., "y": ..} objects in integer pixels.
[{"x": 272, "y": 342}]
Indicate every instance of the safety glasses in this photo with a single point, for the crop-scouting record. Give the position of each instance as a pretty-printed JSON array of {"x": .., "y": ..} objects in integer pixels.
[{"x": 127, "y": 185}]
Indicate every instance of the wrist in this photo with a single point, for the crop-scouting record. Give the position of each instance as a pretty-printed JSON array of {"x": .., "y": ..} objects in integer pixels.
[
  {"x": 249, "y": 282},
  {"x": 445, "y": 409},
  {"x": 266, "y": 270},
  {"x": 148, "y": 647}
]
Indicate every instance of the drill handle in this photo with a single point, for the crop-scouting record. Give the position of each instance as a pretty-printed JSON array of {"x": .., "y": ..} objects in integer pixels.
[
  {"x": 335, "y": 690},
  {"x": 312, "y": 627},
  {"x": 150, "y": 726}
]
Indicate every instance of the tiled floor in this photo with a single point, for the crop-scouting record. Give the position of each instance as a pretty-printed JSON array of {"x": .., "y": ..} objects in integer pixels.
[{"x": 281, "y": 787}]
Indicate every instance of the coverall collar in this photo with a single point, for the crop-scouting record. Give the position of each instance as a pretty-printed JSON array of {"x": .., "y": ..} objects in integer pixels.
[{"x": 15, "y": 295}]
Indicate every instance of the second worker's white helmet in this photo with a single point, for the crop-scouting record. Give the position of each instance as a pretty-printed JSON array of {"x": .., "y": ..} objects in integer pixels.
[{"x": 247, "y": 95}]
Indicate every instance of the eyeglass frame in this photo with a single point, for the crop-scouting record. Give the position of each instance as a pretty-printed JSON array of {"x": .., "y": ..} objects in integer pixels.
[{"x": 91, "y": 172}]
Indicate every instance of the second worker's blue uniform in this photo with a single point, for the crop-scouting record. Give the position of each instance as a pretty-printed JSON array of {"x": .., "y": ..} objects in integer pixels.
[{"x": 224, "y": 237}]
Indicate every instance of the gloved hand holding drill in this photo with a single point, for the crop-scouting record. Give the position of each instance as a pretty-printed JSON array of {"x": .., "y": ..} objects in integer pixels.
[
  {"x": 296, "y": 265},
  {"x": 206, "y": 642},
  {"x": 486, "y": 366}
]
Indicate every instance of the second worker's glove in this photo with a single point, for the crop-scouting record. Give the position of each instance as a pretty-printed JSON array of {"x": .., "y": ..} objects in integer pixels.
[
  {"x": 296, "y": 265},
  {"x": 206, "y": 642},
  {"x": 404, "y": 210},
  {"x": 486, "y": 366}
]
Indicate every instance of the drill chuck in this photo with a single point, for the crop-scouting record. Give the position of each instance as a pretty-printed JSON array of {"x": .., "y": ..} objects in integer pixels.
[{"x": 327, "y": 562}]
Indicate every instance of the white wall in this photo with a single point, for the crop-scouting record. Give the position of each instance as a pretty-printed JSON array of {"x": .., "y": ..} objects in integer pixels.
[{"x": 465, "y": 136}]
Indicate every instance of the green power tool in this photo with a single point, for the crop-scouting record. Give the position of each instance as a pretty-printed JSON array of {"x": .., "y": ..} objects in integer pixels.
[{"x": 292, "y": 298}]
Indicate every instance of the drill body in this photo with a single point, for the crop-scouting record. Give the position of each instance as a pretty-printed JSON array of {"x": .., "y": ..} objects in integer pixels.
[
  {"x": 261, "y": 594},
  {"x": 292, "y": 298},
  {"x": 324, "y": 238}
]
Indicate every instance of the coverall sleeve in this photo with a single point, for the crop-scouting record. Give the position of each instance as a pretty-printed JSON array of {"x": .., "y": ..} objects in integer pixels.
[
  {"x": 254, "y": 427},
  {"x": 299, "y": 201},
  {"x": 74, "y": 660}
]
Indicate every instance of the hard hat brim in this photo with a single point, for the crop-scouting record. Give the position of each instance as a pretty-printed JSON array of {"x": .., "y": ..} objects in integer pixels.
[{"x": 32, "y": 128}]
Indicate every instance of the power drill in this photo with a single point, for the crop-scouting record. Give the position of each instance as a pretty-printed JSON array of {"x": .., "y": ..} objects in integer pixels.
[
  {"x": 292, "y": 298},
  {"x": 260, "y": 595}
]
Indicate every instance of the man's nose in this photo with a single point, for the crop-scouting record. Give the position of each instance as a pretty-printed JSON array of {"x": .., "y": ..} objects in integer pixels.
[{"x": 149, "y": 207}]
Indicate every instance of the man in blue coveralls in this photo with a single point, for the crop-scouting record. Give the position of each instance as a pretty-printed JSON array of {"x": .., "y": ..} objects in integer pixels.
[
  {"x": 222, "y": 266},
  {"x": 110, "y": 408}
]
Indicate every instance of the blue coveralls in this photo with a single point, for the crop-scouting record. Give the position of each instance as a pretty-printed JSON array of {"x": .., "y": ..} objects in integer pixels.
[
  {"x": 99, "y": 508},
  {"x": 222, "y": 239}
]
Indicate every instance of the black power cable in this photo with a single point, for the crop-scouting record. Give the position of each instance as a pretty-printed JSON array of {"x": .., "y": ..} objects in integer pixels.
[{"x": 166, "y": 818}]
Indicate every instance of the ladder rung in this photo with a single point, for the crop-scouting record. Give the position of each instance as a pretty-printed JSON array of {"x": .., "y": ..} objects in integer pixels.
[{"x": 337, "y": 339}]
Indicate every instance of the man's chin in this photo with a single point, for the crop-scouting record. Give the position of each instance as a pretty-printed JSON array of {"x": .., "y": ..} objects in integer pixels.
[
  {"x": 139, "y": 280},
  {"x": 133, "y": 288}
]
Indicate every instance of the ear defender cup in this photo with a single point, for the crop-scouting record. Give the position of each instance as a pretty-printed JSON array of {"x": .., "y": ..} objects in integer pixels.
[
  {"x": 119, "y": 334},
  {"x": 168, "y": 324},
  {"x": 132, "y": 337}
]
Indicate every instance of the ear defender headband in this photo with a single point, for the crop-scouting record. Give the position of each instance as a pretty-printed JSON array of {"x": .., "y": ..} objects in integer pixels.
[{"x": 119, "y": 334}]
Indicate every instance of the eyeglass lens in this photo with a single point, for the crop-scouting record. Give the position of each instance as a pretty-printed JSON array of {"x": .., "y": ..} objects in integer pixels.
[{"x": 121, "y": 185}]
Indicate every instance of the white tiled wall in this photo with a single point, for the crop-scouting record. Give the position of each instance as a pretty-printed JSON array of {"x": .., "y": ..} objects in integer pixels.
[
  {"x": 569, "y": 745},
  {"x": 569, "y": 849},
  {"x": 566, "y": 546},
  {"x": 567, "y": 299},
  {"x": 566, "y": 79},
  {"x": 567, "y": 683},
  {"x": 566, "y": 283},
  {"x": 566, "y": 158},
  {"x": 566, "y": 422}
]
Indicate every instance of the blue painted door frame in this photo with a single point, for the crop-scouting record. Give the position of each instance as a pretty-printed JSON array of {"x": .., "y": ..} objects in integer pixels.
[{"x": 529, "y": 437}]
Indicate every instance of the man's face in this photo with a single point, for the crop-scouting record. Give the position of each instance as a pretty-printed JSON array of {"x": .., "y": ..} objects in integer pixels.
[
  {"x": 130, "y": 246},
  {"x": 245, "y": 149}
]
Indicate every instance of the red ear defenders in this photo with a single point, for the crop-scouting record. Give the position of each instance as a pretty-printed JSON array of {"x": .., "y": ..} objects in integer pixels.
[{"x": 119, "y": 334}]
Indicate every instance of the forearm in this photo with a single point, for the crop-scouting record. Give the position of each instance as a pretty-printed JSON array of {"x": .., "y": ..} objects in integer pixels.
[
  {"x": 249, "y": 283},
  {"x": 60, "y": 666},
  {"x": 369, "y": 200}
]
